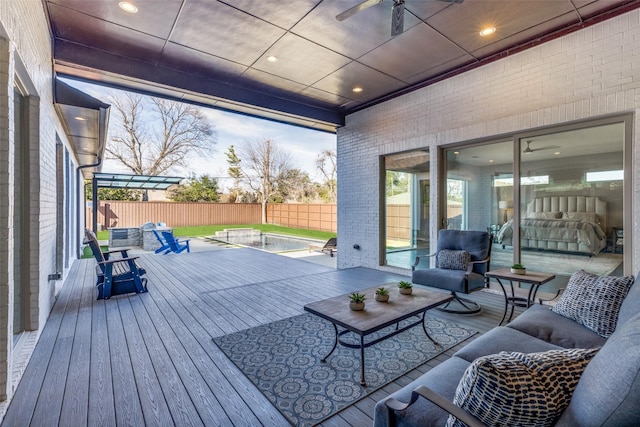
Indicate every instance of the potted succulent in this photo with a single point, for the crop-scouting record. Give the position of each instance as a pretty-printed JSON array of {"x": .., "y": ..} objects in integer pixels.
[
  {"x": 357, "y": 301},
  {"x": 382, "y": 295},
  {"x": 405, "y": 288},
  {"x": 518, "y": 269}
]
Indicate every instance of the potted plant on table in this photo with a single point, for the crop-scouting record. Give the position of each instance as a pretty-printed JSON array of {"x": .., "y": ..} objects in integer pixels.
[
  {"x": 357, "y": 301},
  {"x": 405, "y": 287},
  {"x": 518, "y": 269},
  {"x": 382, "y": 295}
]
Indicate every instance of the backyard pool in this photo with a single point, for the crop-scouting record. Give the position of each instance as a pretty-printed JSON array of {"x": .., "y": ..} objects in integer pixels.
[{"x": 266, "y": 242}]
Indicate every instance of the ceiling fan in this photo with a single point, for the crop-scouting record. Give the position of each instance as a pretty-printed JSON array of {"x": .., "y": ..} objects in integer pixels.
[
  {"x": 529, "y": 150},
  {"x": 397, "y": 13}
]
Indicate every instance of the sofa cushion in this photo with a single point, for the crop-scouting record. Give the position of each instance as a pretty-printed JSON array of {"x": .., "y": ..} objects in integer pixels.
[
  {"x": 453, "y": 259},
  {"x": 631, "y": 304},
  {"x": 540, "y": 322},
  {"x": 608, "y": 393},
  {"x": 500, "y": 339},
  {"x": 512, "y": 389},
  {"x": 594, "y": 301},
  {"x": 443, "y": 379}
]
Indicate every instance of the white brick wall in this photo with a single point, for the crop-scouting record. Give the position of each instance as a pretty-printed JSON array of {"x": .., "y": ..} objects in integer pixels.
[
  {"x": 591, "y": 73},
  {"x": 25, "y": 51}
]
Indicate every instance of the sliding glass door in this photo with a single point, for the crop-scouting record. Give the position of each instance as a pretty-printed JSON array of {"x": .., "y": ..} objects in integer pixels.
[
  {"x": 406, "y": 207},
  {"x": 554, "y": 200}
]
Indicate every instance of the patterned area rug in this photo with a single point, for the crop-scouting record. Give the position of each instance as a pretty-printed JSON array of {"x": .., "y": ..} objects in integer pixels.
[{"x": 283, "y": 359}]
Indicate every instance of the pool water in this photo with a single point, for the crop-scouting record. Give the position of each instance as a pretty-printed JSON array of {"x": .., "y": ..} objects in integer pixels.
[{"x": 270, "y": 242}]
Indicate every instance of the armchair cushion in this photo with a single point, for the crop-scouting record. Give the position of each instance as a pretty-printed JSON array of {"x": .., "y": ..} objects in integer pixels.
[
  {"x": 453, "y": 260},
  {"x": 508, "y": 389},
  {"x": 594, "y": 301}
]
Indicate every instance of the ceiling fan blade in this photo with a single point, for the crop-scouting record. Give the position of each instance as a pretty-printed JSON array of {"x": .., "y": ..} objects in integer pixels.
[
  {"x": 397, "y": 18},
  {"x": 362, "y": 6}
]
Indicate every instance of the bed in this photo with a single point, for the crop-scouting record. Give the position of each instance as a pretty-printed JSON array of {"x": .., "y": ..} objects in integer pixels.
[{"x": 574, "y": 224}]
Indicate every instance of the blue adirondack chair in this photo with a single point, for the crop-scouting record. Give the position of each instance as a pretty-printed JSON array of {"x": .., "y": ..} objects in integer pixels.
[
  {"x": 115, "y": 276},
  {"x": 175, "y": 245},
  {"x": 164, "y": 246}
]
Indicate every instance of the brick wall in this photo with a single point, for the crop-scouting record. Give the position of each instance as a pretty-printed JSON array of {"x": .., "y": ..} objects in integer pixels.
[
  {"x": 591, "y": 73},
  {"x": 25, "y": 55}
]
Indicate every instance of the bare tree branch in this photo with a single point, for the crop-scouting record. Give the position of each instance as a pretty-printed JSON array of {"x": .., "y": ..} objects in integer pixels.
[{"x": 155, "y": 135}]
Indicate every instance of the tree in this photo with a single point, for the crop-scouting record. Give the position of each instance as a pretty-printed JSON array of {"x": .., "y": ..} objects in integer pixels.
[
  {"x": 265, "y": 165},
  {"x": 203, "y": 189},
  {"x": 155, "y": 135},
  {"x": 327, "y": 164},
  {"x": 296, "y": 186},
  {"x": 235, "y": 172}
]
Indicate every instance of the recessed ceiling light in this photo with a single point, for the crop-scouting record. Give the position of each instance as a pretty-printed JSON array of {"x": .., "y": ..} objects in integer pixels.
[
  {"x": 128, "y": 7},
  {"x": 557, "y": 153},
  {"x": 272, "y": 58},
  {"x": 357, "y": 89},
  {"x": 487, "y": 31},
  {"x": 456, "y": 152},
  {"x": 80, "y": 118},
  {"x": 490, "y": 161}
]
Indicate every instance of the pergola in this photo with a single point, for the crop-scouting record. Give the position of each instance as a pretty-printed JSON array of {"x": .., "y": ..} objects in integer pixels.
[{"x": 129, "y": 182}]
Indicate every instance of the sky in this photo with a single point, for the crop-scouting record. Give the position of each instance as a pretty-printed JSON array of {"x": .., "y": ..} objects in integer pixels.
[{"x": 302, "y": 144}]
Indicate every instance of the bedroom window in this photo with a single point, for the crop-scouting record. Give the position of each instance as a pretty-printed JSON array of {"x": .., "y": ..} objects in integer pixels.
[{"x": 605, "y": 176}]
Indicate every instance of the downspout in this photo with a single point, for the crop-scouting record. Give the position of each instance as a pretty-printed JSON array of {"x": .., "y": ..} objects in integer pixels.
[{"x": 103, "y": 124}]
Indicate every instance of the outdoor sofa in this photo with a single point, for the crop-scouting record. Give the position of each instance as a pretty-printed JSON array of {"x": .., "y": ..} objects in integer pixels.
[{"x": 607, "y": 391}]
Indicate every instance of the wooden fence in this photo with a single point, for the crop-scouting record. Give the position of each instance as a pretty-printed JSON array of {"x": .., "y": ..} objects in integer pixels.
[
  {"x": 133, "y": 214},
  {"x": 323, "y": 217}
]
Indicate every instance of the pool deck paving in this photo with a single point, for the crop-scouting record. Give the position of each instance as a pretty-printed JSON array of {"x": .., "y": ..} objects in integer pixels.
[{"x": 198, "y": 244}]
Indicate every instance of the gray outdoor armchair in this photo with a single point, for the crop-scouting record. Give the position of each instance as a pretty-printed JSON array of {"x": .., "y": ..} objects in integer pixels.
[{"x": 462, "y": 259}]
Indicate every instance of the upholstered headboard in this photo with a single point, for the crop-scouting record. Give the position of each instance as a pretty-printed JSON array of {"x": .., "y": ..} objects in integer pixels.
[{"x": 571, "y": 204}]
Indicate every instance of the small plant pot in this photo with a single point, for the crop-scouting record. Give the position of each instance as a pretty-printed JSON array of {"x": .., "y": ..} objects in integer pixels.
[
  {"x": 519, "y": 271},
  {"x": 406, "y": 291},
  {"x": 356, "y": 306},
  {"x": 382, "y": 298}
]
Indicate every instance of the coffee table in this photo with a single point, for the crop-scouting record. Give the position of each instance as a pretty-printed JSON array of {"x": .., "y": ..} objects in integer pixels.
[{"x": 376, "y": 315}]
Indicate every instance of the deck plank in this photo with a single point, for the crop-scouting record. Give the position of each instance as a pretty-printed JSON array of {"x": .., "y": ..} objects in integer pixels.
[{"x": 149, "y": 359}]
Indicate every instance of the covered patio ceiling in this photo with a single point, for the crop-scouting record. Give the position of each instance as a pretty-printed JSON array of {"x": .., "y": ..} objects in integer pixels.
[{"x": 293, "y": 61}]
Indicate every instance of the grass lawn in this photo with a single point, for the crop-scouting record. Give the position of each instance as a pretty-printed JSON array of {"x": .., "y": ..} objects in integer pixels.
[{"x": 210, "y": 230}]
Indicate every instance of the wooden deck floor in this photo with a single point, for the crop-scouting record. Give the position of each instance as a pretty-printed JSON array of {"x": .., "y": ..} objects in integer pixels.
[{"x": 149, "y": 359}]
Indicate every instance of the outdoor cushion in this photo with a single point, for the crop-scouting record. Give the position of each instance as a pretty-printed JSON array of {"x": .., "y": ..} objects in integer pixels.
[
  {"x": 451, "y": 280},
  {"x": 453, "y": 260},
  {"x": 594, "y": 301},
  {"x": 500, "y": 339},
  {"x": 608, "y": 393},
  {"x": 517, "y": 389},
  {"x": 631, "y": 304},
  {"x": 540, "y": 322},
  {"x": 442, "y": 379}
]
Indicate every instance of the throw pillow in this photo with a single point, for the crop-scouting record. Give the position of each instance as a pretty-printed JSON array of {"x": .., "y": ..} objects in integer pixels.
[
  {"x": 453, "y": 260},
  {"x": 591, "y": 217},
  {"x": 594, "y": 301},
  {"x": 520, "y": 389},
  {"x": 544, "y": 215}
]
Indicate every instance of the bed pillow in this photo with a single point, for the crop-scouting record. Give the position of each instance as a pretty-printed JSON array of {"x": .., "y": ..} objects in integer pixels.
[
  {"x": 544, "y": 215},
  {"x": 594, "y": 301},
  {"x": 511, "y": 389},
  {"x": 591, "y": 217},
  {"x": 453, "y": 260}
]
